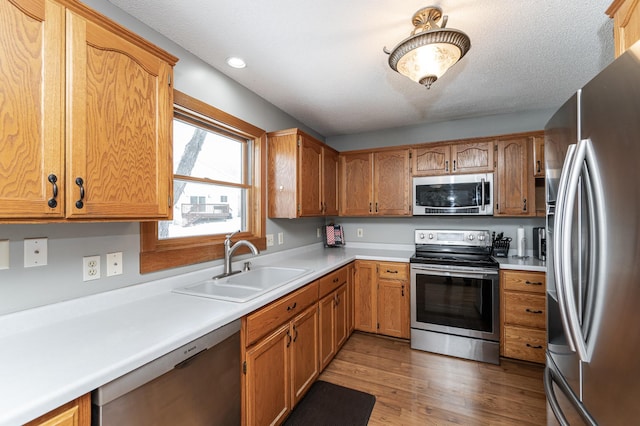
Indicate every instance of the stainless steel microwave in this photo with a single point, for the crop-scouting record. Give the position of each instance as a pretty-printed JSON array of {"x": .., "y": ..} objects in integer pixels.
[{"x": 453, "y": 195}]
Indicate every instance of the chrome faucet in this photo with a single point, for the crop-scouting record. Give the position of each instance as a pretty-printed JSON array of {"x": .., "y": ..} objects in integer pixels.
[{"x": 229, "y": 249}]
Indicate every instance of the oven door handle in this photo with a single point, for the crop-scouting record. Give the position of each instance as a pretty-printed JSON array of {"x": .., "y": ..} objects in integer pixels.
[{"x": 453, "y": 273}]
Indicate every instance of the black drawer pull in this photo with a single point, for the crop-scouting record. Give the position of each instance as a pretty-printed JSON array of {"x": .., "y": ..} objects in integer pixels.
[
  {"x": 531, "y": 311},
  {"x": 533, "y": 282},
  {"x": 391, "y": 272},
  {"x": 336, "y": 279},
  {"x": 534, "y": 347},
  {"x": 290, "y": 308},
  {"x": 80, "y": 183},
  {"x": 53, "y": 203}
]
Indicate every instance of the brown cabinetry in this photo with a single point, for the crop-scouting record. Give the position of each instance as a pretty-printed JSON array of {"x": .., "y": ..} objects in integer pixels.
[
  {"x": 303, "y": 176},
  {"x": 381, "y": 293},
  {"x": 375, "y": 183},
  {"x": 452, "y": 158},
  {"x": 91, "y": 113},
  {"x": 280, "y": 356},
  {"x": 514, "y": 184},
  {"x": 74, "y": 413},
  {"x": 523, "y": 315},
  {"x": 626, "y": 24}
]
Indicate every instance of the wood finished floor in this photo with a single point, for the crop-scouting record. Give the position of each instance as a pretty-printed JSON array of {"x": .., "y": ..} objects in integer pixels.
[{"x": 419, "y": 388}]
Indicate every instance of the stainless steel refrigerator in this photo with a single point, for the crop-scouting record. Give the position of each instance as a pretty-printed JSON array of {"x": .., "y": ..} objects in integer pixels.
[{"x": 592, "y": 156}]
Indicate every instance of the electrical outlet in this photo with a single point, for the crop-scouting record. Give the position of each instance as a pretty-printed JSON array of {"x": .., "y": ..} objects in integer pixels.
[
  {"x": 114, "y": 264},
  {"x": 35, "y": 252},
  {"x": 360, "y": 233},
  {"x": 269, "y": 240},
  {"x": 4, "y": 254},
  {"x": 90, "y": 268},
  {"x": 280, "y": 237}
]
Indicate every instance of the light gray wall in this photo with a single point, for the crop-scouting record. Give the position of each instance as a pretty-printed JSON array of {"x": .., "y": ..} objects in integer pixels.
[{"x": 492, "y": 125}]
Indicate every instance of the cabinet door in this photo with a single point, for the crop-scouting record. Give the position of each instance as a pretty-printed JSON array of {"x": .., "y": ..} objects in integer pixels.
[
  {"x": 73, "y": 413},
  {"x": 267, "y": 380},
  {"x": 310, "y": 177},
  {"x": 119, "y": 120},
  {"x": 365, "y": 297},
  {"x": 430, "y": 161},
  {"x": 330, "y": 182},
  {"x": 392, "y": 183},
  {"x": 32, "y": 109},
  {"x": 356, "y": 184},
  {"x": 513, "y": 181},
  {"x": 341, "y": 314},
  {"x": 327, "y": 329},
  {"x": 391, "y": 308},
  {"x": 538, "y": 157},
  {"x": 304, "y": 356},
  {"x": 626, "y": 24},
  {"x": 472, "y": 157}
]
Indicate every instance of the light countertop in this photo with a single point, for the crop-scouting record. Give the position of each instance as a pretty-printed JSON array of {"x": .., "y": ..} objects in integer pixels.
[{"x": 56, "y": 353}]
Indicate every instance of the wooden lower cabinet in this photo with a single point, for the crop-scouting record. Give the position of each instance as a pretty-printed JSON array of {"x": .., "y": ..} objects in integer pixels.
[
  {"x": 279, "y": 369},
  {"x": 73, "y": 413},
  {"x": 381, "y": 298},
  {"x": 523, "y": 315},
  {"x": 333, "y": 323}
]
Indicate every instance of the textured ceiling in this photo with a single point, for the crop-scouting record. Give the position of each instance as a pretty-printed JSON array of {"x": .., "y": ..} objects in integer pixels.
[{"x": 322, "y": 61}]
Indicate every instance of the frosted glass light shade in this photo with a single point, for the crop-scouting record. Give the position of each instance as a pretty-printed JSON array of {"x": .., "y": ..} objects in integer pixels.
[{"x": 431, "y": 60}]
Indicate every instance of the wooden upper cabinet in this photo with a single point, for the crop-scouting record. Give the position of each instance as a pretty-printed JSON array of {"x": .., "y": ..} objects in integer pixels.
[
  {"x": 32, "y": 109},
  {"x": 375, "y": 183},
  {"x": 119, "y": 125},
  {"x": 392, "y": 182},
  {"x": 514, "y": 184},
  {"x": 356, "y": 184},
  {"x": 81, "y": 98},
  {"x": 303, "y": 176},
  {"x": 626, "y": 23},
  {"x": 538, "y": 156},
  {"x": 453, "y": 158}
]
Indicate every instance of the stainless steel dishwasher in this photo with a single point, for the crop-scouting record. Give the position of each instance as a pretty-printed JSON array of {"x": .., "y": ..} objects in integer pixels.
[{"x": 197, "y": 384}]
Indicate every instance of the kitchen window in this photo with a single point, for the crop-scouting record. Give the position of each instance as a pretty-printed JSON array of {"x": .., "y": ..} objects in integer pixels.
[{"x": 218, "y": 176}]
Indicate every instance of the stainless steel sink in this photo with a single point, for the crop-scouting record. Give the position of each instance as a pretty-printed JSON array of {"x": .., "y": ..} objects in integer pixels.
[{"x": 245, "y": 285}]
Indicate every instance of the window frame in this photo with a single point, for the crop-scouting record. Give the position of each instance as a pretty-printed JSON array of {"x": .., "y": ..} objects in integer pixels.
[{"x": 156, "y": 254}]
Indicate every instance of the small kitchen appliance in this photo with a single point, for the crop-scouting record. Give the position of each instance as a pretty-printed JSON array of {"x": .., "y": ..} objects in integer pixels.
[
  {"x": 540, "y": 243},
  {"x": 455, "y": 294},
  {"x": 470, "y": 195}
]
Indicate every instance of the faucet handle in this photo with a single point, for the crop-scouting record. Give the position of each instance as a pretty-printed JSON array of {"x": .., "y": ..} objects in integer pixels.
[{"x": 228, "y": 236}]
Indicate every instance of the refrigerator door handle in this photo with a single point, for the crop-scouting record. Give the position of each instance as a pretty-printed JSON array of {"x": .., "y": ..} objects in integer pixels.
[
  {"x": 566, "y": 230},
  {"x": 558, "y": 265},
  {"x": 551, "y": 376}
]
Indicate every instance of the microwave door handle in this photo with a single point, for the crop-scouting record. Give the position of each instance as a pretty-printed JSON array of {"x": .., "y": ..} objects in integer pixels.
[
  {"x": 482, "y": 205},
  {"x": 558, "y": 264},
  {"x": 566, "y": 230}
]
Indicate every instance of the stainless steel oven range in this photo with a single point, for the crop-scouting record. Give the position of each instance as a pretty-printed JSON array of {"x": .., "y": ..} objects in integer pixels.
[{"x": 455, "y": 295}]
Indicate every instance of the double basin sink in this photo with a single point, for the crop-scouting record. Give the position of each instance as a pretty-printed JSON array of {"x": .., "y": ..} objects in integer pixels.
[{"x": 246, "y": 285}]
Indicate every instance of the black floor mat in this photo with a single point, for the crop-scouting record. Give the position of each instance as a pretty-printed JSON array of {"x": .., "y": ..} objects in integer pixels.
[{"x": 327, "y": 404}]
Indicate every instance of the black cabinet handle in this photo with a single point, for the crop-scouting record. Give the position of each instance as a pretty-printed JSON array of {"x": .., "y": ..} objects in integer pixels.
[
  {"x": 538, "y": 166},
  {"x": 446, "y": 166},
  {"x": 295, "y": 335},
  {"x": 53, "y": 203},
  {"x": 454, "y": 165},
  {"x": 389, "y": 271},
  {"x": 532, "y": 282},
  {"x": 531, "y": 311},
  {"x": 524, "y": 205},
  {"x": 290, "y": 308},
  {"x": 534, "y": 347},
  {"x": 80, "y": 202},
  {"x": 403, "y": 290}
]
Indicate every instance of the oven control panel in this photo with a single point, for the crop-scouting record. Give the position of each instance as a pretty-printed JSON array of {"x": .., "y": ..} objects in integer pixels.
[{"x": 457, "y": 237}]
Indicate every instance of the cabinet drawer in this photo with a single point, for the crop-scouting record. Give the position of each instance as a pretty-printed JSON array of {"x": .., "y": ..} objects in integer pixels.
[
  {"x": 526, "y": 344},
  {"x": 265, "y": 320},
  {"x": 393, "y": 270},
  {"x": 524, "y": 281},
  {"x": 331, "y": 281},
  {"x": 524, "y": 309}
]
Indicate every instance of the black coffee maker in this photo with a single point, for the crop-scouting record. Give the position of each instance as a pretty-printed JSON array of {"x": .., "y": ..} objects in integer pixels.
[{"x": 540, "y": 243}]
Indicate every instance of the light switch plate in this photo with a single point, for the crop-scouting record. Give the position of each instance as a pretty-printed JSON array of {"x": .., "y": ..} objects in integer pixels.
[
  {"x": 4, "y": 254},
  {"x": 35, "y": 252}
]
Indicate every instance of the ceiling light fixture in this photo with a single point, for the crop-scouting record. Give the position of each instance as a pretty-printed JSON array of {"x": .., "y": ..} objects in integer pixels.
[
  {"x": 235, "y": 62},
  {"x": 430, "y": 50}
]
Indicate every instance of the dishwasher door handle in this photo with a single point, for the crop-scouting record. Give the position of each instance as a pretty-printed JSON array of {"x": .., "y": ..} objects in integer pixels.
[{"x": 186, "y": 362}]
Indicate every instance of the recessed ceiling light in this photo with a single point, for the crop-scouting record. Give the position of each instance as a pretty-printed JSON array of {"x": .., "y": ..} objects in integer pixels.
[{"x": 236, "y": 62}]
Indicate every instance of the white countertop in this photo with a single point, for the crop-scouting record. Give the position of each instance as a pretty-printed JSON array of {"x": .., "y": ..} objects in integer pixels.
[
  {"x": 528, "y": 263},
  {"x": 56, "y": 353}
]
